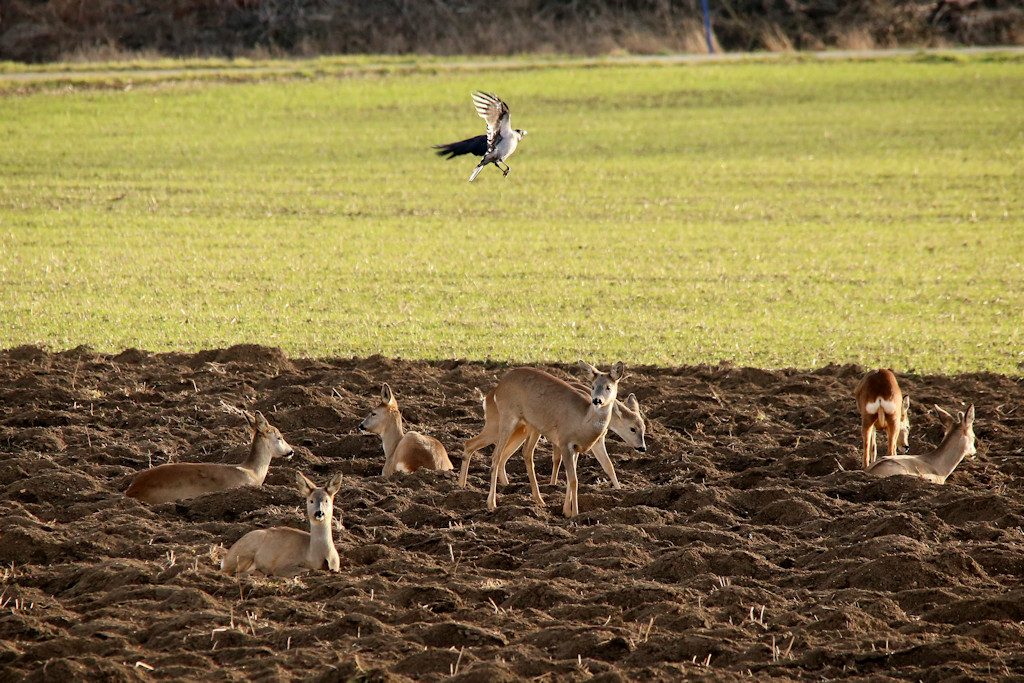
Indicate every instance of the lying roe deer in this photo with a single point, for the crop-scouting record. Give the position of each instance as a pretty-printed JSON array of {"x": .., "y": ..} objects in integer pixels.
[
  {"x": 957, "y": 443},
  {"x": 180, "y": 480},
  {"x": 403, "y": 451},
  {"x": 626, "y": 421},
  {"x": 284, "y": 551},
  {"x": 882, "y": 406},
  {"x": 531, "y": 402}
]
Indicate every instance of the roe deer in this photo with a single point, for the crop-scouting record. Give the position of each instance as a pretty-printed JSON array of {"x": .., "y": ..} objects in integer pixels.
[
  {"x": 936, "y": 466},
  {"x": 531, "y": 402},
  {"x": 882, "y": 406},
  {"x": 284, "y": 551},
  {"x": 627, "y": 422},
  {"x": 180, "y": 480},
  {"x": 403, "y": 451}
]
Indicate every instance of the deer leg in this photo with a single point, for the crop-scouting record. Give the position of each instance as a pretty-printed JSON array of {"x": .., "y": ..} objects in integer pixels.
[
  {"x": 503, "y": 475},
  {"x": 531, "y": 445},
  {"x": 497, "y": 458},
  {"x": 571, "y": 508},
  {"x": 600, "y": 452},
  {"x": 514, "y": 442},
  {"x": 556, "y": 463},
  {"x": 868, "y": 432},
  {"x": 892, "y": 432},
  {"x": 469, "y": 448}
]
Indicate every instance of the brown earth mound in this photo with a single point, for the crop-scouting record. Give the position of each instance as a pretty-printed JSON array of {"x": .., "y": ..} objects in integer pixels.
[{"x": 742, "y": 543}]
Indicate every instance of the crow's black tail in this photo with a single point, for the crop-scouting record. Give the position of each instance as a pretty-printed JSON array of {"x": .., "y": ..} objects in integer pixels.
[{"x": 477, "y": 146}]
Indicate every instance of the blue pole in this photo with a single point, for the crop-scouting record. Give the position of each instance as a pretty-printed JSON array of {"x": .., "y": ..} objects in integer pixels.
[{"x": 707, "y": 26}]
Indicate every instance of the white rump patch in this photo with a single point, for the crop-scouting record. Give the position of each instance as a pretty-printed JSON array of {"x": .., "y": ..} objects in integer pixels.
[
  {"x": 402, "y": 467},
  {"x": 889, "y": 407}
]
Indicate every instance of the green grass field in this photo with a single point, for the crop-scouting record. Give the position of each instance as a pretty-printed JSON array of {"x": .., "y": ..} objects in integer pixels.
[{"x": 787, "y": 214}]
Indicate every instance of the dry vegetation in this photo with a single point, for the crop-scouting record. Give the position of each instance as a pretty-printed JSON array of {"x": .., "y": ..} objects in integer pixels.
[{"x": 52, "y": 29}]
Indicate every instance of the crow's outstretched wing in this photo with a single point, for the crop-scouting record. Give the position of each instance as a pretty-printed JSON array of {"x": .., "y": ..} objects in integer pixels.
[
  {"x": 475, "y": 145},
  {"x": 495, "y": 113}
]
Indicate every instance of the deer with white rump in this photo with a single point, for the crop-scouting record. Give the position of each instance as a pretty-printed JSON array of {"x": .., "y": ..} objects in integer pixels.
[
  {"x": 180, "y": 480},
  {"x": 626, "y": 421},
  {"x": 403, "y": 451},
  {"x": 532, "y": 403},
  {"x": 957, "y": 443},
  {"x": 284, "y": 551},
  {"x": 882, "y": 406}
]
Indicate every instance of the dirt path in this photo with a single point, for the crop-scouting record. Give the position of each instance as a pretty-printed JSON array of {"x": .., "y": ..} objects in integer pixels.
[{"x": 737, "y": 546}]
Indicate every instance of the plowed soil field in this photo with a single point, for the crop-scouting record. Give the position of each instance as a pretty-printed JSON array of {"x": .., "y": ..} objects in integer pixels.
[{"x": 743, "y": 543}]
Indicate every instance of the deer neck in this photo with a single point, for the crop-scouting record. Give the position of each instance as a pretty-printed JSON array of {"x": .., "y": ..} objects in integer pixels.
[
  {"x": 602, "y": 415},
  {"x": 949, "y": 454},
  {"x": 594, "y": 426},
  {"x": 392, "y": 434},
  {"x": 258, "y": 462},
  {"x": 320, "y": 539}
]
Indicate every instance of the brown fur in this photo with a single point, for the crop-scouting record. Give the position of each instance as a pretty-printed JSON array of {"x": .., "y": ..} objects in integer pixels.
[
  {"x": 936, "y": 466},
  {"x": 178, "y": 481},
  {"x": 882, "y": 384},
  {"x": 284, "y": 551},
  {"x": 530, "y": 403},
  {"x": 403, "y": 451},
  {"x": 626, "y": 421}
]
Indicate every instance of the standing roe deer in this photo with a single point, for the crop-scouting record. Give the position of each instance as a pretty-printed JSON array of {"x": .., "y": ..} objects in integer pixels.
[
  {"x": 284, "y": 551},
  {"x": 883, "y": 406},
  {"x": 627, "y": 422},
  {"x": 936, "y": 466},
  {"x": 531, "y": 402},
  {"x": 403, "y": 451},
  {"x": 180, "y": 480}
]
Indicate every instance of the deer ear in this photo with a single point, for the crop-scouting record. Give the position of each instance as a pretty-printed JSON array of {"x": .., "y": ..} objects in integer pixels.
[
  {"x": 632, "y": 403},
  {"x": 386, "y": 395},
  {"x": 944, "y": 417},
  {"x": 618, "y": 371},
  {"x": 906, "y": 404},
  {"x": 261, "y": 423},
  {"x": 306, "y": 487},
  {"x": 334, "y": 484},
  {"x": 969, "y": 418},
  {"x": 250, "y": 419},
  {"x": 588, "y": 368}
]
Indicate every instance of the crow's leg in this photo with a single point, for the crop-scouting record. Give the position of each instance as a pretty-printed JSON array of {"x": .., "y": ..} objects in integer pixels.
[{"x": 504, "y": 171}]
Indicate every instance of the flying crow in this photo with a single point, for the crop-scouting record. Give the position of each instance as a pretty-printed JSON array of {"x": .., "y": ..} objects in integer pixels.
[{"x": 495, "y": 147}]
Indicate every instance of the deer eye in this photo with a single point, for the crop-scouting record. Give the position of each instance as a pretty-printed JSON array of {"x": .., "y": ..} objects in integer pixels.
[{"x": 633, "y": 429}]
